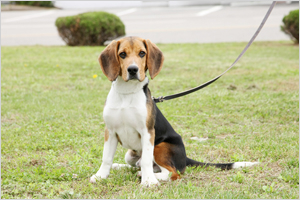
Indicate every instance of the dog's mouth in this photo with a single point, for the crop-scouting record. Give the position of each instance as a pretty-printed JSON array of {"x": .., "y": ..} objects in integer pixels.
[{"x": 133, "y": 77}]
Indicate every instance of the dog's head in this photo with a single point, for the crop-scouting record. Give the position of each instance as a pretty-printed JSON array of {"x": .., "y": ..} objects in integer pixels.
[{"x": 130, "y": 57}]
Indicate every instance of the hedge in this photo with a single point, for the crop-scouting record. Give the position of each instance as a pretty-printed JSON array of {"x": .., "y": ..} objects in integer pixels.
[
  {"x": 291, "y": 25},
  {"x": 89, "y": 29},
  {"x": 35, "y": 3}
]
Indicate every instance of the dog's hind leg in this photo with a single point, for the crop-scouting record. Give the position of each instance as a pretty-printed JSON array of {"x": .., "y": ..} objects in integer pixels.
[
  {"x": 163, "y": 175},
  {"x": 156, "y": 168},
  {"x": 167, "y": 158},
  {"x": 119, "y": 166},
  {"x": 131, "y": 158}
]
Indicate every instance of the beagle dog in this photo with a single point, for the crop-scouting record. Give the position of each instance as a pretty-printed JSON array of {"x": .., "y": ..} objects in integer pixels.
[{"x": 133, "y": 119}]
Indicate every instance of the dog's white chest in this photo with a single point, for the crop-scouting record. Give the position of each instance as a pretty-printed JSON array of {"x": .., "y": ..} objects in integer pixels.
[{"x": 125, "y": 114}]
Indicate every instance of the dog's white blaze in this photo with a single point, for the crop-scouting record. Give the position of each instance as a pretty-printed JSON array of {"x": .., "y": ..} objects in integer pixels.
[
  {"x": 137, "y": 73},
  {"x": 243, "y": 164}
]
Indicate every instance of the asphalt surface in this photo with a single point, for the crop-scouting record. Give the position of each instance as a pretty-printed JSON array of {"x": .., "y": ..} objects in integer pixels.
[{"x": 193, "y": 24}]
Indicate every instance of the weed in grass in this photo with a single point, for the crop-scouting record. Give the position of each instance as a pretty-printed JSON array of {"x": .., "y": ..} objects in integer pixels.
[
  {"x": 70, "y": 195},
  {"x": 291, "y": 176},
  {"x": 238, "y": 177},
  {"x": 268, "y": 189},
  {"x": 237, "y": 158}
]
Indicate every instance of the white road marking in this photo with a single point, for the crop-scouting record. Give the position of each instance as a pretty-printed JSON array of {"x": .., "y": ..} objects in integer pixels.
[
  {"x": 197, "y": 28},
  {"x": 49, "y": 12},
  {"x": 31, "y": 26},
  {"x": 125, "y": 12},
  {"x": 30, "y": 35},
  {"x": 208, "y": 11}
]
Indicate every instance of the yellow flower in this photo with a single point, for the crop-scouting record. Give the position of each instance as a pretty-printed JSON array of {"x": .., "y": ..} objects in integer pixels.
[
  {"x": 95, "y": 76},
  {"x": 57, "y": 65},
  {"x": 25, "y": 65}
]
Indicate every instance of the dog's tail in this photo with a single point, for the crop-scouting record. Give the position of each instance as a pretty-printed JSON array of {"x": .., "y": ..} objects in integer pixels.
[{"x": 223, "y": 166}]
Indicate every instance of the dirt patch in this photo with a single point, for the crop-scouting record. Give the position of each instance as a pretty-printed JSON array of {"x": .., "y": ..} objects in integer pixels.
[
  {"x": 35, "y": 162},
  {"x": 231, "y": 87},
  {"x": 252, "y": 87}
]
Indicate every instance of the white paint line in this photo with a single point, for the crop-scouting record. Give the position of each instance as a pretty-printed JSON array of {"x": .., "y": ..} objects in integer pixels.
[
  {"x": 248, "y": 3},
  {"x": 197, "y": 29},
  {"x": 26, "y": 26},
  {"x": 49, "y": 12},
  {"x": 30, "y": 35},
  {"x": 125, "y": 12},
  {"x": 208, "y": 11}
]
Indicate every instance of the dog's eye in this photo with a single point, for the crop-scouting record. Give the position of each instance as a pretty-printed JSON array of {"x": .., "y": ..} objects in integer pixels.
[
  {"x": 122, "y": 55},
  {"x": 142, "y": 54}
]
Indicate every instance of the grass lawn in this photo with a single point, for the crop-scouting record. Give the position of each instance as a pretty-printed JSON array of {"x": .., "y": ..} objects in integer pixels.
[{"x": 53, "y": 132}]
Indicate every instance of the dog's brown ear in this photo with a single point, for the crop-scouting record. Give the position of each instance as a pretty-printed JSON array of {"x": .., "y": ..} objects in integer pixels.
[
  {"x": 155, "y": 58},
  {"x": 108, "y": 61}
]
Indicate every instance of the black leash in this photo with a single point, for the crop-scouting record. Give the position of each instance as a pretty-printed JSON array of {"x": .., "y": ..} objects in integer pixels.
[{"x": 162, "y": 98}]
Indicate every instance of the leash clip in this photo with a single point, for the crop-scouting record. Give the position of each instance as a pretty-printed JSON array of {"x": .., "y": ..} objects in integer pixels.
[{"x": 159, "y": 99}]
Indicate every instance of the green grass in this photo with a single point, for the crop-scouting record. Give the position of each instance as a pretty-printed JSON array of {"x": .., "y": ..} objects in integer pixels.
[{"x": 53, "y": 131}]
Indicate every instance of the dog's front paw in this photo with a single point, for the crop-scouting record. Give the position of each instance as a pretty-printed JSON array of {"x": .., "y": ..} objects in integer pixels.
[
  {"x": 150, "y": 182},
  {"x": 119, "y": 166},
  {"x": 115, "y": 166},
  {"x": 94, "y": 178},
  {"x": 138, "y": 163},
  {"x": 139, "y": 173}
]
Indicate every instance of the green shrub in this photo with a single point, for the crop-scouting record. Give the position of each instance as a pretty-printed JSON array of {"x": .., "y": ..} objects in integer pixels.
[
  {"x": 291, "y": 25},
  {"x": 91, "y": 28},
  {"x": 35, "y": 3}
]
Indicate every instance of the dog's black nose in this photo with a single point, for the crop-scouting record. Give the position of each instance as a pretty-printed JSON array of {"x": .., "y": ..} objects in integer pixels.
[{"x": 132, "y": 70}]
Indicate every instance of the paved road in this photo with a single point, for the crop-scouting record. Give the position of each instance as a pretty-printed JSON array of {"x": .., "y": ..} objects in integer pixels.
[{"x": 203, "y": 24}]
